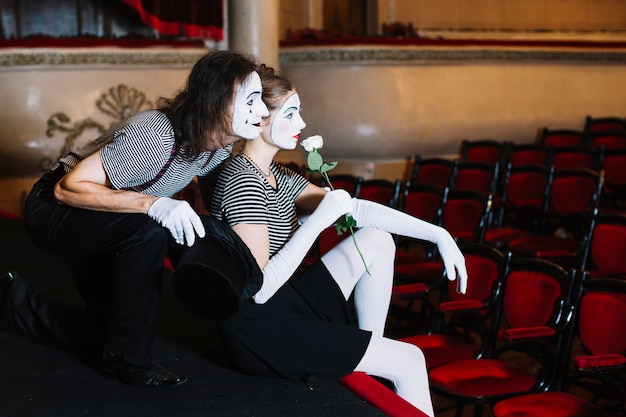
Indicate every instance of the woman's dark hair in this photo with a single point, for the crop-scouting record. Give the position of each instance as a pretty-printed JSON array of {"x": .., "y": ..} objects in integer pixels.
[{"x": 200, "y": 113}]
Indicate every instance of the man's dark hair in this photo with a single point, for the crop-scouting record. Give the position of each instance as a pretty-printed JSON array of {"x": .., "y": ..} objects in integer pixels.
[{"x": 200, "y": 113}]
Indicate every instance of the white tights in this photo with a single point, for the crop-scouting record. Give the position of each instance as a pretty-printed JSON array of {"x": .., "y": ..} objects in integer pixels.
[{"x": 401, "y": 363}]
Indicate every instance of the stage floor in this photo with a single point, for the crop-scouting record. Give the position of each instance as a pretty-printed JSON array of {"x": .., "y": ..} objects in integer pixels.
[{"x": 38, "y": 380}]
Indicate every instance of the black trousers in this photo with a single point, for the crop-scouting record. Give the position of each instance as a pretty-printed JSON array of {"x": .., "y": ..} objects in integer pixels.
[{"x": 116, "y": 261}]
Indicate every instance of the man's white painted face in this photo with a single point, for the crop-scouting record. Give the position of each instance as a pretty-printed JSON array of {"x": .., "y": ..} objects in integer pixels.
[
  {"x": 248, "y": 108},
  {"x": 287, "y": 123}
]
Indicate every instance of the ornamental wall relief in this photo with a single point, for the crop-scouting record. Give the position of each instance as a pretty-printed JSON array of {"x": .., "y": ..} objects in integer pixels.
[{"x": 118, "y": 103}]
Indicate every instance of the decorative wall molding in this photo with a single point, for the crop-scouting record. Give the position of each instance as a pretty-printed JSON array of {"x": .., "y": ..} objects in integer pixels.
[
  {"x": 30, "y": 57},
  {"x": 119, "y": 103},
  {"x": 451, "y": 55}
]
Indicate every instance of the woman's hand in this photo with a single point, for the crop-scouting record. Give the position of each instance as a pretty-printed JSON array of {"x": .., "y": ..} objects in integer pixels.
[
  {"x": 453, "y": 259},
  {"x": 371, "y": 214},
  {"x": 334, "y": 204}
]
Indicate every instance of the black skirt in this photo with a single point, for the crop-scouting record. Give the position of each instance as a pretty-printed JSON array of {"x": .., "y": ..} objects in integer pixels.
[{"x": 305, "y": 331}]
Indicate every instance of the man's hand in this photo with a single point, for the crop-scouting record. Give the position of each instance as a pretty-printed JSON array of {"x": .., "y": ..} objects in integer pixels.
[{"x": 179, "y": 218}]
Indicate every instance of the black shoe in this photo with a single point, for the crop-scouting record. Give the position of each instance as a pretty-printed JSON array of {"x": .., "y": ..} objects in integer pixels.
[
  {"x": 5, "y": 281},
  {"x": 152, "y": 375}
]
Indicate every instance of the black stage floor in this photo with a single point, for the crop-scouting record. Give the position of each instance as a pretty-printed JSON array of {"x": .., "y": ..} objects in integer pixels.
[{"x": 38, "y": 380}]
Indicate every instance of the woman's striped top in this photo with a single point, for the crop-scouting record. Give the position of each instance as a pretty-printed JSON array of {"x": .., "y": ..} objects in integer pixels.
[{"x": 243, "y": 195}]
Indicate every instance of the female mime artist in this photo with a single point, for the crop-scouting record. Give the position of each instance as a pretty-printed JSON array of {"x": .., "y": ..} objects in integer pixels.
[{"x": 300, "y": 326}]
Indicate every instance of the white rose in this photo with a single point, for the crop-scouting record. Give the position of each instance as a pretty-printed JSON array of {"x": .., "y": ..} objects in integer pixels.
[{"x": 312, "y": 143}]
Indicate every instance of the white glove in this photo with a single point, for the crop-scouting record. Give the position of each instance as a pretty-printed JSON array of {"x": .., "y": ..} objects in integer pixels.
[
  {"x": 285, "y": 262},
  {"x": 179, "y": 218},
  {"x": 371, "y": 214}
]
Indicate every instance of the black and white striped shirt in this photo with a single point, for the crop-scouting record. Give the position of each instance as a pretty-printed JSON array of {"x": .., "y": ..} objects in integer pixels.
[
  {"x": 243, "y": 195},
  {"x": 135, "y": 151}
]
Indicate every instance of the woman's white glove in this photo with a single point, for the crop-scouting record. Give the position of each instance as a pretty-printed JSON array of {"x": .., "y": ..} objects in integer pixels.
[
  {"x": 285, "y": 262},
  {"x": 179, "y": 218},
  {"x": 371, "y": 214}
]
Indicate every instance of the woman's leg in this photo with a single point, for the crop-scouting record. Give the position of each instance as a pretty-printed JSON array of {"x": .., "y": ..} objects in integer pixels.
[
  {"x": 404, "y": 365},
  {"x": 372, "y": 292}
]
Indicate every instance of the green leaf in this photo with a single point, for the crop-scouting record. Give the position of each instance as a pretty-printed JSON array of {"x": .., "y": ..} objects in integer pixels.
[
  {"x": 315, "y": 161},
  {"x": 344, "y": 223},
  {"x": 350, "y": 221},
  {"x": 327, "y": 167}
]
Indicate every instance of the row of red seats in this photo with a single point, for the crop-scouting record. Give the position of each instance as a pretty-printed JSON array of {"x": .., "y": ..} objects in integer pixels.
[
  {"x": 518, "y": 331},
  {"x": 476, "y": 374},
  {"x": 596, "y": 131},
  {"x": 484, "y": 294}
]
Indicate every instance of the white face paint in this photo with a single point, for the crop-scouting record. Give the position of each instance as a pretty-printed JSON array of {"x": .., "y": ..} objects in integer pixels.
[
  {"x": 287, "y": 123},
  {"x": 248, "y": 108}
]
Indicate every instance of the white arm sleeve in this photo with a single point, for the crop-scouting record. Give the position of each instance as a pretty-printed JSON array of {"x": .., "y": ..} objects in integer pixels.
[
  {"x": 371, "y": 214},
  {"x": 283, "y": 264}
]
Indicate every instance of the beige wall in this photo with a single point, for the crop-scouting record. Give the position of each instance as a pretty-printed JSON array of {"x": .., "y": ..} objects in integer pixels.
[
  {"x": 576, "y": 15},
  {"x": 297, "y": 14},
  {"x": 513, "y": 14}
]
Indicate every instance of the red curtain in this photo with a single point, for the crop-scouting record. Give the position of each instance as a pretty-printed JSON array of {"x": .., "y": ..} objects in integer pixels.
[{"x": 191, "y": 18}]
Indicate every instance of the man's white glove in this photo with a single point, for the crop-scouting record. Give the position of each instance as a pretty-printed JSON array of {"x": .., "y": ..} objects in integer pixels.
[
  {"x": 371, "y": 214},
  {"x": 284, "y": 263},
  {"x": 179, "y": 218}
]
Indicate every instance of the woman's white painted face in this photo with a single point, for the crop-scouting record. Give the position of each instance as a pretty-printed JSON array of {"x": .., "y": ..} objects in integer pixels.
[
  {"x": 248, "y": 108},
  {"x": 287, "y": 123}
]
